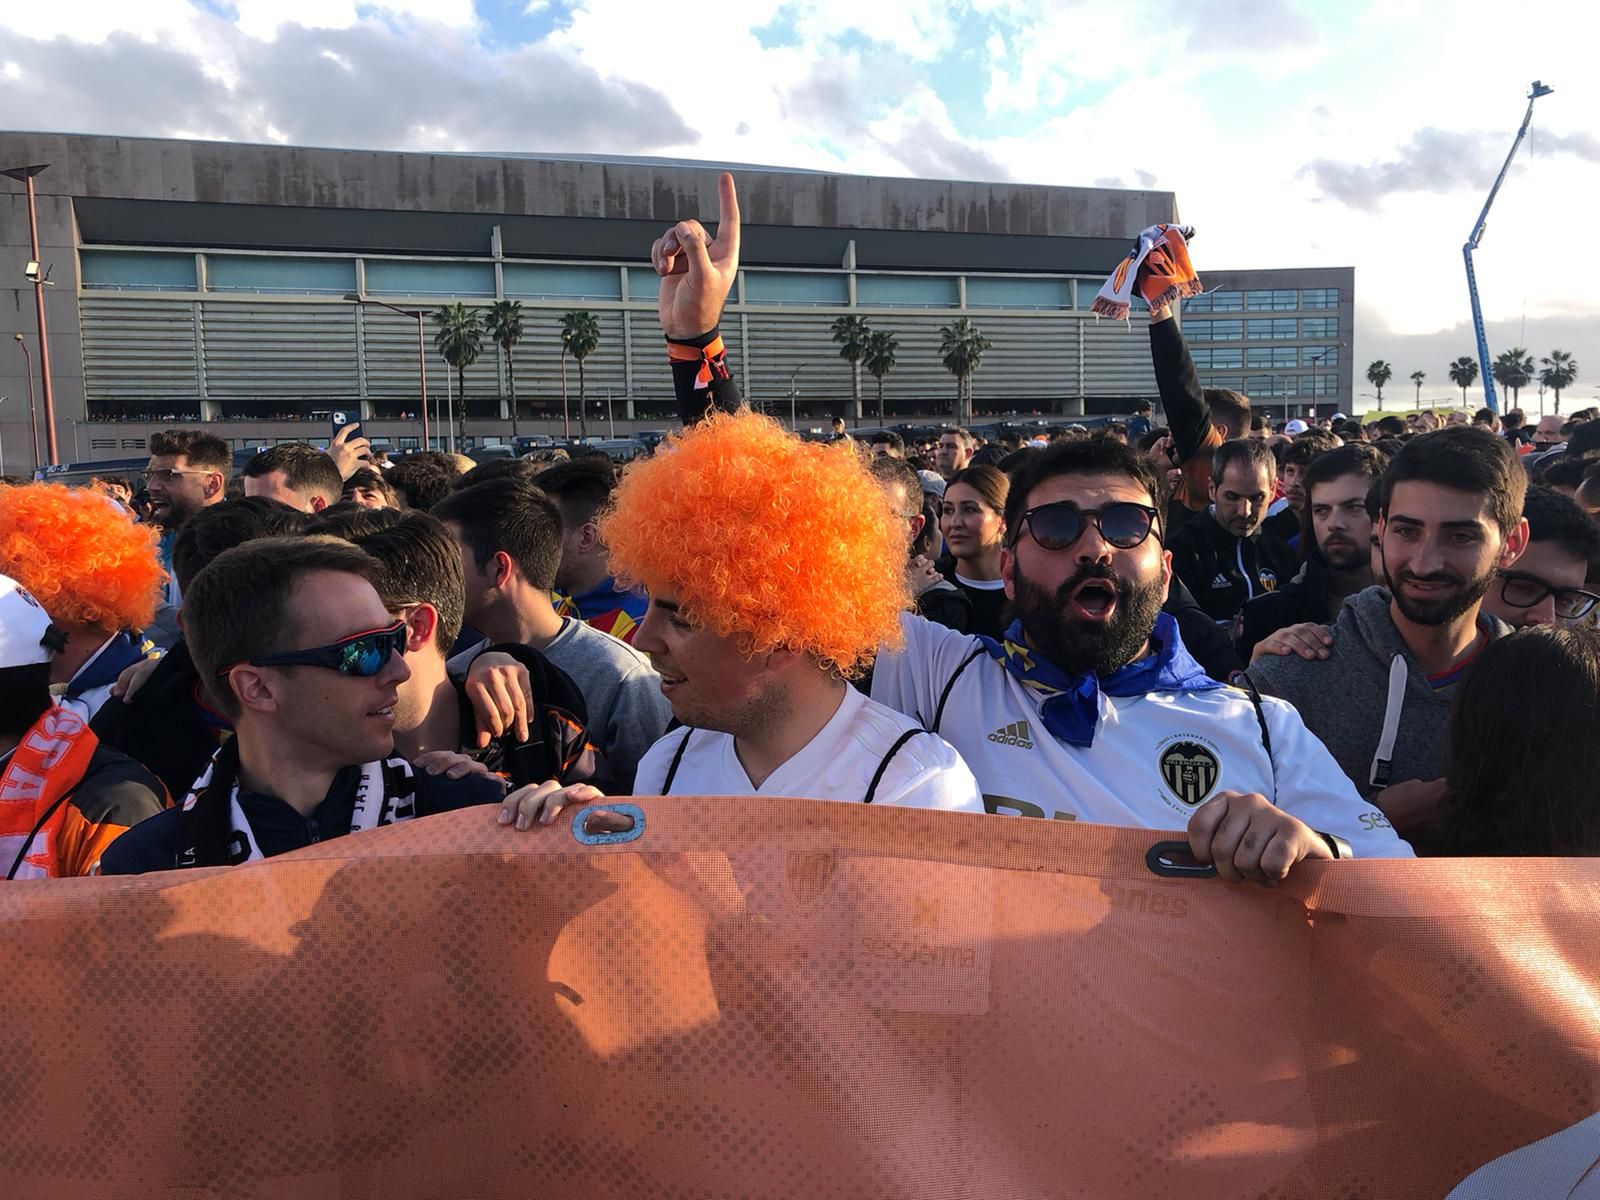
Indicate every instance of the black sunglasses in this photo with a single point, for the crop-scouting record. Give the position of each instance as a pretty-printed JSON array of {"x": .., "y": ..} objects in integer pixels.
[
  {"x": 1122, "y": 524},
  {"x": 1521, "y": 590},
  {"x": 361, "y": 655}
]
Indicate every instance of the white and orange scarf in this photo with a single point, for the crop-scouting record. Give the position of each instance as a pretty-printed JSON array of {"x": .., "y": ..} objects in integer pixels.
[
  {"x": 1157, "y": 267},
  {"x": 38, "y": 779}
]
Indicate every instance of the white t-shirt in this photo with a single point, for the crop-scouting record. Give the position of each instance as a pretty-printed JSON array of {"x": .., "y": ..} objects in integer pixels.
[
  {"x": 1155, "y": 759},
  {"x": 838, "y": 764}
]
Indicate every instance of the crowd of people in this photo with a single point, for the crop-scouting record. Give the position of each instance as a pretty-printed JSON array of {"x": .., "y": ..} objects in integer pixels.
[{"x": 1305, "y": 640}]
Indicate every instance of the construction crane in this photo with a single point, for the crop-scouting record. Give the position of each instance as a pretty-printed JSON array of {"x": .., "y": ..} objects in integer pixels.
[{"x": 1484, "y": 365}]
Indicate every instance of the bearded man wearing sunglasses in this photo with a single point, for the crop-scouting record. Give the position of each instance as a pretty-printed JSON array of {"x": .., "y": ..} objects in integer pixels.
[
  {"x": 295, "y": 647},
  {"x": 1091, "y": 709}
]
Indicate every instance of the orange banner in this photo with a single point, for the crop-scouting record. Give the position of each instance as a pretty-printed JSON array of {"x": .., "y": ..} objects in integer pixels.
[{"x": 797, "y": 999}]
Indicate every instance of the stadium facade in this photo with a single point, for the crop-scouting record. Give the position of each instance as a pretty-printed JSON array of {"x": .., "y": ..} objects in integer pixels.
[{"x": 214, "y": 282}]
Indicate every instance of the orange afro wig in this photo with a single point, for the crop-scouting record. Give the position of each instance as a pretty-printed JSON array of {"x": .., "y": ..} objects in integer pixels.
[
  {"x": 765, "y": 537},
  {"x": 80, "y": 555}
]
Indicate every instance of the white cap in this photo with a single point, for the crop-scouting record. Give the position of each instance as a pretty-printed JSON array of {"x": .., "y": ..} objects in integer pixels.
[
  {"x": 1340, "y": 417},
  {"x": 24, "y": 626},
  {"x": 1296, "y": 426},
  {"x": 932, "y": 483}
]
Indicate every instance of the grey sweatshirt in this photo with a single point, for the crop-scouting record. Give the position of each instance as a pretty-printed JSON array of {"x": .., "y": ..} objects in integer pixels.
[{"x": 1344, "y": 699}]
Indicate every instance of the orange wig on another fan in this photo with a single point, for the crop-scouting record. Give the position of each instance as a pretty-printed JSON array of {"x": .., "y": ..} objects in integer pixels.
[
  {"x": 762, "y": 536},
  {"x": 82, "y": 556}
]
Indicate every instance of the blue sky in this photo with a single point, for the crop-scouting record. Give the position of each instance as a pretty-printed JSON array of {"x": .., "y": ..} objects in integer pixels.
[{"x": 1293, "y": 133}]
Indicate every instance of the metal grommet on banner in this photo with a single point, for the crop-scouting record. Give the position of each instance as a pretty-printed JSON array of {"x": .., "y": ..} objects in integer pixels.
[
  {"x": 1174, "y": 860},
  {"x": 632, "y": 811}
]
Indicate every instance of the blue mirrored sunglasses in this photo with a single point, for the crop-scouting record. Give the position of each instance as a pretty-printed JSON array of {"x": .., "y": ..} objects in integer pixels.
[{"x": 361, "y": 654}]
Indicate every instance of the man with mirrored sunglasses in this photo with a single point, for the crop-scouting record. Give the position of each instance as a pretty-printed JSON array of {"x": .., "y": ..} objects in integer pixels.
[
  {"x": 1091, "y": 708},
  {"x": 295, "y": 647},
  {"x": 1549, "y": 585}
]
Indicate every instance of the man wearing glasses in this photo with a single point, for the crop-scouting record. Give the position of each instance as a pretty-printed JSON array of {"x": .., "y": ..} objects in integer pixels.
[
  {"x": 1547, "y": 585},
  {"x": 295, "y": 647},
  {"x": 1091, "y": 709},
  {"x": 188, "y": 471}
]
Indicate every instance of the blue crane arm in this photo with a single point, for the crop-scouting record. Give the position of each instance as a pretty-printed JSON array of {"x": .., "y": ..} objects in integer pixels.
[{"x": 1484, "y": 365}]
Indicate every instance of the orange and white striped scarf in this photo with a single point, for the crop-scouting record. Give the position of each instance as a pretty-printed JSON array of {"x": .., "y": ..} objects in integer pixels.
[{"x": 1158, "y": 268}]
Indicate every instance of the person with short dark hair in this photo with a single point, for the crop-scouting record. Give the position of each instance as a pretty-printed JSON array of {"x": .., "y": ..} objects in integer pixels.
[
  {"x": 1390, "y": 427},
  {"x": 583, "y": 584},
  {"x": 888, "y": 442},
  {"x": 954, "y": 452},
  {"x": 64, "y": 796},
  {"x": 1283, "y": 514},
  {"x": 508, "y": 536},
  {"x": 1117, "y": 431},
  {"x": 938, "y": 599},
  {"x": 1225, "y": 558},
  {"x": 164, "y": 720},
  {"x": 296, "y": 649},
  {"x": 1451, "y": 519},
  {"x": 368, "y": 488},
  {"x": 1336, "y": 554},
  {"x": 1530, "y": 795},
  {"x": 422, "y": 480},
  {"x": 1546, "y": 585},
  {"x": 188, "y": 470},
  {"x": 295, "y": 474},
  {"x": 1142, "y": 421},
  {"x": 1091, "y": 708},
  {"x": 500, "y": 468}
]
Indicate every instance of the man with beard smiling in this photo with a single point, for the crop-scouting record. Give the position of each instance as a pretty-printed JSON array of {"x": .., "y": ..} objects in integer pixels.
[
  {"x": 1091, "y": 709},
  {"x": 1450, "y": 518}
]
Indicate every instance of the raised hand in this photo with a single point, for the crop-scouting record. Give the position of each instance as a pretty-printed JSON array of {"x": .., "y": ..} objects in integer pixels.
[{"x": 697, "y": 271}]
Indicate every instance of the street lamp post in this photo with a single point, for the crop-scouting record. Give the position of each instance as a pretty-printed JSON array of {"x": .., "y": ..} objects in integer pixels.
[
  {"x": 422, "y": 349},
  {"x": 25, "y": 176},
  {"x": 1316, "y": 361},
  {"x": 33, "y": 413},
  {"x": 794, "y": 424}
]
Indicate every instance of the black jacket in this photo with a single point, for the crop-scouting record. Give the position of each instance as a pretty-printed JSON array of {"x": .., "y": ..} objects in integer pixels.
[
  {"x": 1224, "y": 571},
  {"x": 164, "y": 727},
  {"x": 1202, "y": 637},
  {"x": 559, "y": 746},
  {"x": 1303, "y": 598},
  {"x": 153, "y": 845}
]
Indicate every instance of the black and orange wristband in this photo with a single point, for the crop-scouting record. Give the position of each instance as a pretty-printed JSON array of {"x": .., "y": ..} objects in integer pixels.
[{"x": 700, "y": 375}]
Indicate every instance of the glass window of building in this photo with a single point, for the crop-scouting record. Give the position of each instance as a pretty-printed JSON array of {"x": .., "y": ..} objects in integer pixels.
[
  {"x": 1232, "y": 382},
  {"x": 280, "y": 275},
  {"x": 907, "y": 291},
  {"x": 1319, "y": 298},
  {"x": 795, "y": 287},
  {"x": 1319, "y": 356},
  {"x": 1227, "y": 331},
  {"x": 1200, "y": 303},
  {"x": 1277, "y": 329},
  {"x": 1273, "y": 300},
  {"x": 1227, "y": 301},
  {"x": 1319, "y": 327},
  {"x": 391, "y": 277},
  {"x": 985, "y": 292},
  {"x": 1202, "y": 359},
  {"x": 1224, "y": 360},
  {"x": 1274, "y": 356},
  {"x": 138, "y": 271},
  {"x": 553, "y": 281}
]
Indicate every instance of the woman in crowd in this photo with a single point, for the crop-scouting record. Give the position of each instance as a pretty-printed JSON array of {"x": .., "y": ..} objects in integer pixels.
[
  {"x": 1524, "y": 757},
  {"x": 972, "y": 522}
]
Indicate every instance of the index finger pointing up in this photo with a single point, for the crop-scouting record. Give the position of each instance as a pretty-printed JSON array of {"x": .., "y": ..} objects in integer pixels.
[{"x": 726, "y": 247}]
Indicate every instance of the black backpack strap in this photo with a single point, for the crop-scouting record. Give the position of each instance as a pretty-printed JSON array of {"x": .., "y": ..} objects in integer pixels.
[
  {"x": 672, "y": 770},
  {"x": 1242, "y": 679},
  {"x": 877, "y": 778},
  {"x": 944, "y": 696}
]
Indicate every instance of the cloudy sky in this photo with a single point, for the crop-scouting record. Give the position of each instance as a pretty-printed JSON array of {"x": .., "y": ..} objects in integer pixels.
[{"x": 1294, "y": 132}]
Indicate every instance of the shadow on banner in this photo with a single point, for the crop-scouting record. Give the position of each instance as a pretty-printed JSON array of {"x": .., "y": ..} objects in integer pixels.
[{"x": 797, "y": 999}]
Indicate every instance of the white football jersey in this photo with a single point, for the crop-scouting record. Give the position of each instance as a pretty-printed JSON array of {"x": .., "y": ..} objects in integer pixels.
[
  {"x": 1155, "y": 759},
  {"x": 863, "y": 748}
]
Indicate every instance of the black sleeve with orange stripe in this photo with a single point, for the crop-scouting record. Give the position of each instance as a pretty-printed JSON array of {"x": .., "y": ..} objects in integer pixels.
[{"x": 701, "y": 377}]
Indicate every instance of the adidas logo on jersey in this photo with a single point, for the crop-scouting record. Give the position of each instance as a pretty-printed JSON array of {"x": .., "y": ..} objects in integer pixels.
[
  {"x": 1221, "y": 582},
  {"x": 1015, "y": 734}
]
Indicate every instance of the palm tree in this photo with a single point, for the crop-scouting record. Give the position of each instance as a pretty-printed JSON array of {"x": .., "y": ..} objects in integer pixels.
[
  {"x": 1464, "y": 373},
  {"x": 580, "y": 334},
  {"x": 851, "y": 334},
  {"x": 961, "y": 349},
  {"x": 1417, "y": 377},
  {"x": 1513, "y": 369},
  {"x": 459, "y": 341},
  {"x": 503, "y": 324},
  {"x": 879, "y": 360},
  {"x": 1378, "y": 374},
  {"x": 1560, "y": 370}
]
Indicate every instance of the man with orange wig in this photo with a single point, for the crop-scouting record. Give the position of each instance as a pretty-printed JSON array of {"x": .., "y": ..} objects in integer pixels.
[
  {"x": 761, "y": 556},
  {"x": 96, "y": 573}
]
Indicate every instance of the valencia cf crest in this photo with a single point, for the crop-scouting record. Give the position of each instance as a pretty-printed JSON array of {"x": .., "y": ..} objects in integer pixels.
[
  {"x": 1190, "y": 770},
  {"x": 1267, "y": 579}
]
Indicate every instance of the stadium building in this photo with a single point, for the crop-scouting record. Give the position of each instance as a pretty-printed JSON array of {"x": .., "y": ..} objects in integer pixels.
[{"x": 255, "y": 288}]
